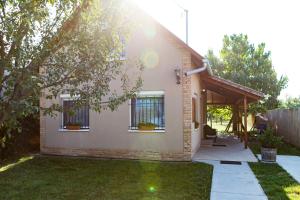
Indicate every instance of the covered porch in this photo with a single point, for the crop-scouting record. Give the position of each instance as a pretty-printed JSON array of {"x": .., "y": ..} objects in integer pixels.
[{"x": 218, "y": 91}]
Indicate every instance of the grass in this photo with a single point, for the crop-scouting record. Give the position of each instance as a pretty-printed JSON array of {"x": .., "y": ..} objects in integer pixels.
[
  {"x": 78, "y": 178},
  {"x": 276, "y": 182},
  {"x": 285, "y": 149}
]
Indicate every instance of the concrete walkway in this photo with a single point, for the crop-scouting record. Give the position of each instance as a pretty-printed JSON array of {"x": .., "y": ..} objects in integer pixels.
[
  {"x": 234, "y": 182},
  {"x": 291, "y": 164}
]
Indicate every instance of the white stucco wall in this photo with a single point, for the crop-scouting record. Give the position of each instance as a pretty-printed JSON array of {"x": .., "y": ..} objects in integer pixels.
[{"x": 109, "y": 130}]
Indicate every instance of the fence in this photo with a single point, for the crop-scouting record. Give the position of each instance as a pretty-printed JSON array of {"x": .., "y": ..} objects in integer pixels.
[{"x": 287, "y": 122}]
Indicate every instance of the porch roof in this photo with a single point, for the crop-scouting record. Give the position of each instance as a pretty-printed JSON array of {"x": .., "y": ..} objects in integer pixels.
[{"x": 224, "y": 92}]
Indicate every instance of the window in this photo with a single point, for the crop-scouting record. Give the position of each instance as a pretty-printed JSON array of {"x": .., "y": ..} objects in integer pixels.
[
  {"x": 71, "y": 115},
  {"x": 120, "y": 53},
  {"x": 123, "y": 50},
  {"x": 195, "y": 111},
  {"x": 148, "y": 107}
]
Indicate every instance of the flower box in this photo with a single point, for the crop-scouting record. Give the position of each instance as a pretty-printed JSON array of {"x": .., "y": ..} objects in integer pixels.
[{"x": 146, "y": 126}]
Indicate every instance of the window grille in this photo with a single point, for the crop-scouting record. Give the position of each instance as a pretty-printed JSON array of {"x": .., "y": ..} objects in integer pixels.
[{"x": 148, "y": 110}]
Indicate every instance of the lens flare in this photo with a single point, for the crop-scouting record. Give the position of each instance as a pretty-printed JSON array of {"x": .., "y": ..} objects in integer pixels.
[
  {"x": 150, "y": 31},
  {"x": 150, "y": 59},
  {"x": 151, "y": 189}
]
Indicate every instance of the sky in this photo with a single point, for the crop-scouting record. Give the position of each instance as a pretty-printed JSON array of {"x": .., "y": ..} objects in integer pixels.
[{"x": 274, "y": 22}]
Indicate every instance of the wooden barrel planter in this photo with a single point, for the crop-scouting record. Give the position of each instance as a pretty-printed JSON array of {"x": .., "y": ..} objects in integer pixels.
[{"x": 268, "y": 155}]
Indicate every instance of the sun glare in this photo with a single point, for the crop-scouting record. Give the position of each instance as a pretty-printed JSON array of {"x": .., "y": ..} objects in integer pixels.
[
  {"x": 167, "y": 12},
  {"x": 9, "y": 166}
]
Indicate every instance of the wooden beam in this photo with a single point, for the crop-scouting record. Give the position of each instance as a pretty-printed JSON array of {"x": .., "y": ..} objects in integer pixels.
[
  {"x": 228, "y": 125},
  {"x": 221, "y": 104},
  {"x": 245, "y": 122}
]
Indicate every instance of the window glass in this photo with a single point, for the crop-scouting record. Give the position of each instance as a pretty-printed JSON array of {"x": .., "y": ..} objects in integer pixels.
[{"x": 71, "y": 116}]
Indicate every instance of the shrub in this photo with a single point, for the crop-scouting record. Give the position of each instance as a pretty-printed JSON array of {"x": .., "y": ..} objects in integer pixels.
[{"x": 269, "y": 140}]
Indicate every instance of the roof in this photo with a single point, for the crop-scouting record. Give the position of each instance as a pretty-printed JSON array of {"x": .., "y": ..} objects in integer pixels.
[
  {"x": 227, "y": 89},
  {"x": 196, "y": 57},
  {"x": 222, "y": 91}
]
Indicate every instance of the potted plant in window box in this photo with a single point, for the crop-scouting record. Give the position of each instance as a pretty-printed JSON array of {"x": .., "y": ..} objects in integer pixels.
[
  {"x": 146, "y": 126},
  {"x": 269, "y": 144},
  {"x": 73, "y": 126}
]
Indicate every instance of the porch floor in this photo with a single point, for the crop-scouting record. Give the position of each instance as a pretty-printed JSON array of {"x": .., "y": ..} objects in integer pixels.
[{"x": 233, "y": 151}]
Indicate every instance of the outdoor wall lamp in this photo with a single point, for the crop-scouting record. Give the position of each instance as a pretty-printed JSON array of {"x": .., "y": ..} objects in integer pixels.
[{"x": 178, "y": 77}]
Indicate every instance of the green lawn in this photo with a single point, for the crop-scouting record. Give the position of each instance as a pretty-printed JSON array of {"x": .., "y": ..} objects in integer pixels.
[
  {"x": 78, "y": 178},
  {"x": 276, "y": 182}
]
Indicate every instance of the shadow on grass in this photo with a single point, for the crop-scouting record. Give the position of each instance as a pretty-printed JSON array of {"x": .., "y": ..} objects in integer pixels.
[
  {"x": 77, "y": 178},
  {"x": 276, "y": 182}
]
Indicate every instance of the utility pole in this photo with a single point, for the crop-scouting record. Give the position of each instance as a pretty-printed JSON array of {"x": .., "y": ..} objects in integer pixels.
[
  {"x": 186, "y": 22},
  {"x": 186, "y": 26}
]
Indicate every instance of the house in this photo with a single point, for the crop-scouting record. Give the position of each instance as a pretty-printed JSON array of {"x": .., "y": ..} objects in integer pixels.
[{"x": 177, "y": 87}]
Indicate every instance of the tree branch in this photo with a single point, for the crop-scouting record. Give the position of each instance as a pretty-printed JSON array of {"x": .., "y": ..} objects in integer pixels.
[
  {"x": 17, "y": 42},
  {"x": 68, "y": 76},
  {"x": 60, "y": 39}
]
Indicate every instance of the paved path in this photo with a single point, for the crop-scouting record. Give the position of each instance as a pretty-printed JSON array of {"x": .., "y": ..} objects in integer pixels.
[
  {"x": 291, "y": 164},
  {"x": 233, "y": 151},
  {"x": 234, "y": 182}
]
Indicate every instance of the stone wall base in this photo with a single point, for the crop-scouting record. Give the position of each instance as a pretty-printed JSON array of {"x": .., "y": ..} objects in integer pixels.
[{"x": 119, "y": 154}]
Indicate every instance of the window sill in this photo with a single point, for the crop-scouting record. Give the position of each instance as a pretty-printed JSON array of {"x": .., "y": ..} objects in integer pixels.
[
  {"x": 68, "y": 130},
  {"x": 150, "y": 131}
]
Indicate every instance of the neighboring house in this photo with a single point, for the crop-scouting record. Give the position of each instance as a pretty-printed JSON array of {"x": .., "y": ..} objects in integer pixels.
[{"x": 177, "y": 86}]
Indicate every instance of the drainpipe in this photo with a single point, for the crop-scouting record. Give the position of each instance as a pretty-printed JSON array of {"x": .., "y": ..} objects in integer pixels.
[
  {"x": 205, "y": 67},
  {"x": 195, "y": 71}
]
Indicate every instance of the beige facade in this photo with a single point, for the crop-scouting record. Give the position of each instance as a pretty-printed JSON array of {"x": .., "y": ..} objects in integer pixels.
[{"x": 109, "y": 134}]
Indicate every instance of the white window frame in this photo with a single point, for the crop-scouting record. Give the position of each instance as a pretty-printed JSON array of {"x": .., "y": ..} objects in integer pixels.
[
  {"x": 156, "y": 93},
  {"x": 68, "y": 97}
]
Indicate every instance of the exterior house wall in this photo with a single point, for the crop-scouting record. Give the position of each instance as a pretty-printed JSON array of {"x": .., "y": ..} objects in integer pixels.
[{"x": 109, "y": 136}]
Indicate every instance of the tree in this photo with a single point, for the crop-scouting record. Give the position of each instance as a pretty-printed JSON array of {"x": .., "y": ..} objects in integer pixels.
[
  {"x": 290, "y": 102},
  {"x": 251, "y": 66},
  {"x": 220, "y": 112},
  {"x": 62, "y": 46}
]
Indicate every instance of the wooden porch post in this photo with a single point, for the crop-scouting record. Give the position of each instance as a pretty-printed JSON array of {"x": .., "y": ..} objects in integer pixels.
[
  {"x": 204, "y": 104},
  {"x": 240, "y": 116},
  {"x": 238, "y": 124},
  {"x": 245, "y": 122}
]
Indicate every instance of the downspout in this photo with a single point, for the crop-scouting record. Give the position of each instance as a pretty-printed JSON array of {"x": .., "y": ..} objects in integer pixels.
[
  {"x": 206, "y": 67},
  {"x": 195, "y": 71}
]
